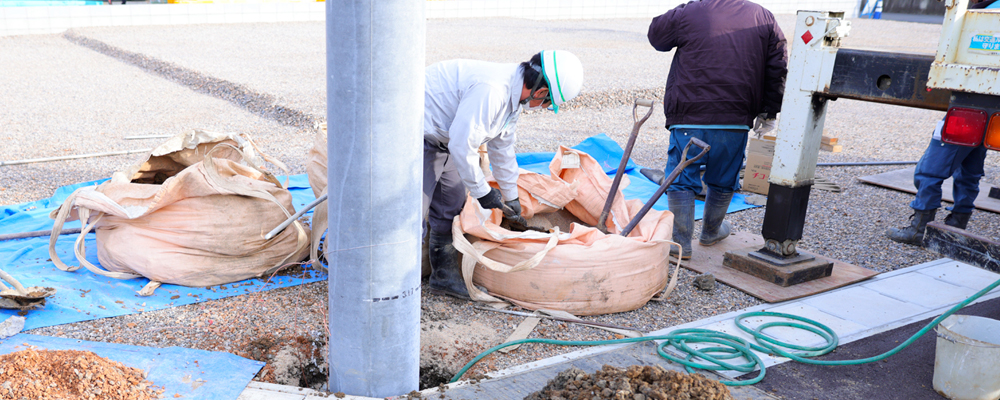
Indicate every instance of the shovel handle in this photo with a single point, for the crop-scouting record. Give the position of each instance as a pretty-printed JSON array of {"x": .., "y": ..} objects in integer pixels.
[
  {"x": 685, "y": 162},
  {"x": 602, "y": 222}
]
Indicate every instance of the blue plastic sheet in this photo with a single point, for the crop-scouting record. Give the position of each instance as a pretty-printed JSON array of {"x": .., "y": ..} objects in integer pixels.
[
  {"x": 609, "y": 154},
  {"x": 189, "y": 373},
  {"x": 82, "y": 295}
]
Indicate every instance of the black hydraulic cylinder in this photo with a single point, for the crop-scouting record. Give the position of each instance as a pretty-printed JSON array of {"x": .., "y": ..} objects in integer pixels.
[{"x": 786, "y": 212}]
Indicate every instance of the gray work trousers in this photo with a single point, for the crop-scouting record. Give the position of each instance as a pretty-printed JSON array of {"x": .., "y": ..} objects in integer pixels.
[{"x": 444, "y": 192}]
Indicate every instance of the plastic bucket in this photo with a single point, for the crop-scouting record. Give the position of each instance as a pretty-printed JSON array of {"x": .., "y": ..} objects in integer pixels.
[{"x": 967, "y": 357}]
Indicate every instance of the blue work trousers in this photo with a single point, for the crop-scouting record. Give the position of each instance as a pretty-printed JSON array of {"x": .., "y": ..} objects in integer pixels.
[
  {"x": 722, "y": 163},
  {"x": 940, "y": 161}
]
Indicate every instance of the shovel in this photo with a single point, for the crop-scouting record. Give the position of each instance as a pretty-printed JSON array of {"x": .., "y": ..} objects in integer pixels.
[
  {"x": 20, "y": 297},
  {"x": 685, "y": 162},
  {"x": 602, "y": 222}
]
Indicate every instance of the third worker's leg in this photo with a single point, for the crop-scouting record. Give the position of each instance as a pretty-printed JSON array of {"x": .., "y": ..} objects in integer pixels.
[
  {"x": 966, "y": 185},
  {"x": 936, "y": 165}
]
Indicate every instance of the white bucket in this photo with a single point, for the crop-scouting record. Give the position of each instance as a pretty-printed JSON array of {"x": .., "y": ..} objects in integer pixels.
[{"x": 967, "y": 358}]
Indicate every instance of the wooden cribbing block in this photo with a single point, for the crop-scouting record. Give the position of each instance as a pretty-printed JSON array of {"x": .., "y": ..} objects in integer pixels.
[{"x": 835, "y": 148}]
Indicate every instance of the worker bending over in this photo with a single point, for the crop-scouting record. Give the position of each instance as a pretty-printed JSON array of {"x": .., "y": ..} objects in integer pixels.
[
  {"x": 469, "y": 103},
  {"x": 728, "y": 68}
]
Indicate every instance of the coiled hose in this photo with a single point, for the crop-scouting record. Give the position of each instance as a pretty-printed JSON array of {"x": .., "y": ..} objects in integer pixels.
[{"x": 730, "y": 347}]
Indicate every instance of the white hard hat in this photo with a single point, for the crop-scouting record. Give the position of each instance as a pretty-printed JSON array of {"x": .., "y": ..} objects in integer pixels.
[{"x": 564, "y": 74}]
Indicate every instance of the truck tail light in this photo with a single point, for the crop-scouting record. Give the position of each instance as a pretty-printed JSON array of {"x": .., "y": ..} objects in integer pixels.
[
  {"x": 964, "y": 126},
  {"x": 993, "y": 133}
]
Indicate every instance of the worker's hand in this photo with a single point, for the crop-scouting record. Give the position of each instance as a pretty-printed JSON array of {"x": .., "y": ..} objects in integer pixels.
[
  {"x": 491, "y": 199},
  {"x": 515, "y": 207},
  {"x": 764, "y": 125}
]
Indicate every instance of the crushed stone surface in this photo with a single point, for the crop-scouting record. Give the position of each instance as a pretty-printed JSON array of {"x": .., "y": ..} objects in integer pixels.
[
  {"x": 268, "y": 80},
  {"x": 633, "y": 383}
]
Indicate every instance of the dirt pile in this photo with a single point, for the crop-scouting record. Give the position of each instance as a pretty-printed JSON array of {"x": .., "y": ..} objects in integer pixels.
[
  {"x": 634, "y": 383},
  {"x": 71, "y": 375}
]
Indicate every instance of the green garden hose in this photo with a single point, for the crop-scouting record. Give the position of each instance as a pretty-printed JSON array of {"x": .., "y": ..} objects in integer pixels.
[{"x": 730, "y": 347}]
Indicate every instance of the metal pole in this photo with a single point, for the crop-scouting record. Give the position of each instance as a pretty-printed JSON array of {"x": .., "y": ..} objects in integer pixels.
[
  {"x": 375, "y": 95},
  {"x": 61, "y": 158}
]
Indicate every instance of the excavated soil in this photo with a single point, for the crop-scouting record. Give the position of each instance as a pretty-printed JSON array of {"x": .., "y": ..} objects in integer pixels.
[
  {"x": 634, "y": 383},
  {"x": 70, "y": 375}
]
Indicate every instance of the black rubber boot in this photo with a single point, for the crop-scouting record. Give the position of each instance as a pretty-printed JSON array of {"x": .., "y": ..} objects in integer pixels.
[
  {"x": 913, "y": 234},
  {"x": 958, "y": 220},
  {"x": 655, "y": 175},
  {"x": 682, "y": 205},
  {"x": 714, "y": 228},
  {"x": 446, "y": 274}
]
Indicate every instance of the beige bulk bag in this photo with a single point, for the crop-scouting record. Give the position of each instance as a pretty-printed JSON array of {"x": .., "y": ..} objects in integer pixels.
[
  {"x": 191, "y": 214},
  {"x": 583, "y": 271},
  {"x": 316, "y": 171}
]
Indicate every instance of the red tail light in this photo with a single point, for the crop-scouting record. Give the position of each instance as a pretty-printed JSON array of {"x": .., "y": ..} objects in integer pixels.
[{"x": 964, "y": 126}]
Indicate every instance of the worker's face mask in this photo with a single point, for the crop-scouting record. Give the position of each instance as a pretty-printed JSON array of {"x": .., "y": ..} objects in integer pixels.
[
  {"x": 540, "y": 98},
  {"x": 538, "y": 94}
]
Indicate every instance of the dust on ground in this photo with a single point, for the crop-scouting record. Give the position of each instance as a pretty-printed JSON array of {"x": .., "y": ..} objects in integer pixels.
[{"x": 448, "y": 343}]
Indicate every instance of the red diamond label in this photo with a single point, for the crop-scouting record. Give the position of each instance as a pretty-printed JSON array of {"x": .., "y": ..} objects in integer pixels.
[{"x": 807, "y": 37}]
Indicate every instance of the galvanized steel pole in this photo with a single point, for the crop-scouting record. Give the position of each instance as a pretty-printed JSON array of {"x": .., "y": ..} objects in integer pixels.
[{"x": 375, "y": 96}]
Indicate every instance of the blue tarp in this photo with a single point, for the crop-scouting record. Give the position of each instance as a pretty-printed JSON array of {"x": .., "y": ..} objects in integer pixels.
[
  {"x": 609, "y": 154},
  {"x": 187, "y": 373},
  {"x": 82, "y": 295}
]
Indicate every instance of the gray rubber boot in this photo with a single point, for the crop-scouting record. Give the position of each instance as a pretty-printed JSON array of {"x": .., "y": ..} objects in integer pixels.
[
  {"x": 682, "y": 205},
  {"x": 913, "y": 234},
  {"x": 714, "y": 228},
  {"x": 446, "y": 274},
  {"x": 958, "y": 220}
]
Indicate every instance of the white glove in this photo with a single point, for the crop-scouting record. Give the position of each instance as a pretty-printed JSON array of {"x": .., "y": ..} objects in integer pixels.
[{"x": 763, "y": 125}]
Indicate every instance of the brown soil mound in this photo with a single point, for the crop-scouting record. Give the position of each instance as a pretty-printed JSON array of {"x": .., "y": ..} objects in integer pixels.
[
  {"x": 71, "y": 375},
  {"x": 635, "y": 383}
]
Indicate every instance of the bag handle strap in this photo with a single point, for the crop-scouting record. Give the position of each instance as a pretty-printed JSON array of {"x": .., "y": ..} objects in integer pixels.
[
  {"x": 662, "y": 296},
  {"x": 60, "y": 220},
  {"x": 474, "y": 253},
  {"x": 79, "y": 247}
]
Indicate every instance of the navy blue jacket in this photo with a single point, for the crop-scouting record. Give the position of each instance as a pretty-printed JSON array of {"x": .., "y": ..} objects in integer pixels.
[{"x": 729, "y": 66}]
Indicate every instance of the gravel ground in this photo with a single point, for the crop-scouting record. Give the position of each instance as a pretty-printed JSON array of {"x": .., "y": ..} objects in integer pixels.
[{"x": 85, "y": 91}]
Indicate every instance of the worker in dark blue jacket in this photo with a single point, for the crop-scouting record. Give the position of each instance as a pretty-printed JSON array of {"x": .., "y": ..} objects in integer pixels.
[{"x": 727, "y": 74}]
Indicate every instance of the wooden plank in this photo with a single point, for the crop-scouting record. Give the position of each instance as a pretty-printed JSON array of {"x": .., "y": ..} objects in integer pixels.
[
  {"x": 710, "y": 259},
  {"x": 829, "y": 140},
  {"x": 902, "y": 180},
  {"x": 964, "y": 246}
]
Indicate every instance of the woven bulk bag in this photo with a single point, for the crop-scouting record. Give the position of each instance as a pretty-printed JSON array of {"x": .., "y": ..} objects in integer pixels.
[
  {"x": 583, "y": 271},
  {"x": 316, "y": 171},
  {"x": 194, "y": 213}
]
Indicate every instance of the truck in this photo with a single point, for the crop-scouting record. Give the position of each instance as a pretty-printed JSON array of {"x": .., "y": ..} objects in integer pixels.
[{"x": 961, "y": 79}]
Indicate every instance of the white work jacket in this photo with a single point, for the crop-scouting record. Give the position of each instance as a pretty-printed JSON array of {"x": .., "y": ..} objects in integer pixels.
[{"x": 468, "y": 103}]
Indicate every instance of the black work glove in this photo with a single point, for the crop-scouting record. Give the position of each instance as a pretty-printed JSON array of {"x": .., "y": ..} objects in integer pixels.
[
  {"x": 515, "y": 206},
  {"x": 492, "y": 200}
]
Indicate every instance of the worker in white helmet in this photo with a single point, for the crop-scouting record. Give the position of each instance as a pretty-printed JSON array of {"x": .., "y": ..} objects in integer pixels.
[{"x": 468, "y": 103}]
